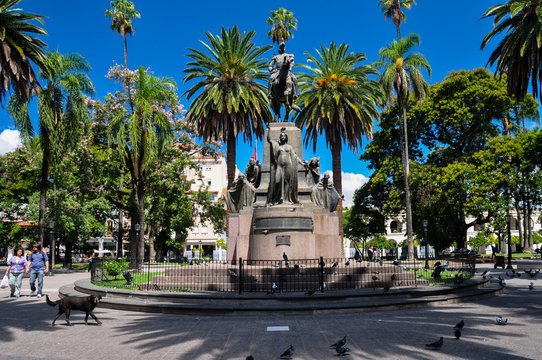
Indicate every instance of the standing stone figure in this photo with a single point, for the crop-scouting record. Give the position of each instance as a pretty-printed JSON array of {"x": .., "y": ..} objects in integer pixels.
[
  {"x": 253, "y": 172},
  {"x": 313, "y": 171},
  {"x": 324, "y": 194},
  {"x": 283, "y": 175},
  {"x": 282, "y": 87}
]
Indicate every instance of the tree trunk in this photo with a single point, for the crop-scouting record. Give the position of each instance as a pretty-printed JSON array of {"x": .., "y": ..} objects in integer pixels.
[
  {"x": 120, "y": 250},
  {"x": 125, "y": 52},
  {"x": 45, "y": 164},
  {"x": 141, "y": 220},
  {"x": 336, "y": 148},
  {"x": 230, "y": 159},
  {"x": 518, "y": 225},
  {"x": 406, "y": 171}
]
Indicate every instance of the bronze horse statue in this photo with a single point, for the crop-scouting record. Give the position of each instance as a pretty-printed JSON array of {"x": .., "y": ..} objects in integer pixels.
[{"x": 283, "y": 92}]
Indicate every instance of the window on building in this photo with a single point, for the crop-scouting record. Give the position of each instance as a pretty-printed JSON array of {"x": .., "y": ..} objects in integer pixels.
[
  {"x": 396, "y": 227},
  {"x": 195, "y": 229},
  {"x": 208, "y": 182},
  {"x": 213, "y": 196},
  {"x": 479, "y": 227},
  {"x": 204, "y": 229},
  {"x": 208, "y": 168}
]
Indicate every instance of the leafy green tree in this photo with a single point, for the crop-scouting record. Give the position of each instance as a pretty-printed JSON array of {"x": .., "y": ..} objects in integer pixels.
[
  {"x": 122, "y": 13},
  {"x": 19, "y": 47},
  {"x": 141, "y": 132},
  {"x": 282, "y": 23},
  {"x": 62, "y": 110},
  {"x": 402, "y": 72},
  {"x": 393, "y": 9},
  {"x": 230, "y": 99}
]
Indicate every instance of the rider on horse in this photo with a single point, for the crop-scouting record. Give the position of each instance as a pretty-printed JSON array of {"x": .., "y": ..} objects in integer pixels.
[{"x": 274, "y": 68}]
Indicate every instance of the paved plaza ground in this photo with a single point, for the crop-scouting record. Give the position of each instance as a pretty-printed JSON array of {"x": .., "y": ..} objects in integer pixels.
[{"x": 26, "y": 331}]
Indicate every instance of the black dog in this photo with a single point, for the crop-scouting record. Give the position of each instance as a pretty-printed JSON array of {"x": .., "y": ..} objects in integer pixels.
[{"x": 69, "y": 303}]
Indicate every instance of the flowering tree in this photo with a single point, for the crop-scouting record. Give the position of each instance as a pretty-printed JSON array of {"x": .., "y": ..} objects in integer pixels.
[{"x": 146, "y": 125}]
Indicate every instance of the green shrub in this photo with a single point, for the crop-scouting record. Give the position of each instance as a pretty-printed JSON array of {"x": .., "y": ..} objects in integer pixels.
[{"x": 114, "y": 267}]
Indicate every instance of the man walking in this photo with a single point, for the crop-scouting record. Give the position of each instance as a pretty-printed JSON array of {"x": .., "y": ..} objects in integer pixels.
[{"x": 38, "y": 265}]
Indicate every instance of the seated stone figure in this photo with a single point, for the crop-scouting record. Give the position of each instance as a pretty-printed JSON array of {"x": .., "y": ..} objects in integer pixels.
[
  {"x": 324, "y": 194},
  {"x": 240, "y": 194}
]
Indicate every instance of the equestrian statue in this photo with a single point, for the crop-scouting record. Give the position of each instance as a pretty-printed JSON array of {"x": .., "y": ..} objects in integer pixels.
[{"x": 282, "y": 88}]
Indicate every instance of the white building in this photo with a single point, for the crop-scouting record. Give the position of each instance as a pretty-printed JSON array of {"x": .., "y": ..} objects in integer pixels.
[{"x": 214, "y": 176}]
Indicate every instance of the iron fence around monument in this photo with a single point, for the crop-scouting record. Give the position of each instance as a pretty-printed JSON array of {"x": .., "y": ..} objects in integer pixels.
[{"x": 280, "y": 276}]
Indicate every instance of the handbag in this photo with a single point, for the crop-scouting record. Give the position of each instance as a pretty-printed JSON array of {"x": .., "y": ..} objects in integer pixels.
[{"x": 5, "y": 282}]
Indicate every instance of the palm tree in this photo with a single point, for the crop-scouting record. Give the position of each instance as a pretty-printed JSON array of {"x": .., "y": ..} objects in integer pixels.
[
  {"x": 402, "y": 72},
  {"x": 392, "y": 9},
  {"x": 230, "y": 101},
  {"x": 519, "y": 53},
  {"x": 282, "y": 23},
  {"x": 122, "y": 13},
  {"x": 62, "y": 111},
  {"x": 143, "y": 132},
  {"x": 339, "y": 101},
  {"x": 18, "y": 48}
]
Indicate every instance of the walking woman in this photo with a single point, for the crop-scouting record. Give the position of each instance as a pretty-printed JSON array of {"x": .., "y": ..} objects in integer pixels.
[{"x": 16, "y": 267}]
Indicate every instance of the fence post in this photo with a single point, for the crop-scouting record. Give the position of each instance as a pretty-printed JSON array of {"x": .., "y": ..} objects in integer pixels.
[
  {"x": 321, "y": 264},
  {"x": 240, "y": 282}
]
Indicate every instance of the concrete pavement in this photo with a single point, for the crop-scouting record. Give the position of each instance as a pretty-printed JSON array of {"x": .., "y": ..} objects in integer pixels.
[{"x": 26, "y": 332}]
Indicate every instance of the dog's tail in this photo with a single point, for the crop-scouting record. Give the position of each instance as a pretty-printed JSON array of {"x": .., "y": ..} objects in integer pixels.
[{"x": 52, "y": 303}]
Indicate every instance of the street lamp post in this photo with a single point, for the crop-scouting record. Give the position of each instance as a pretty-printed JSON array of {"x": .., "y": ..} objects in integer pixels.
[
  {"x": 508, "y": 219},
  {"x": 52, "y": 246},
  {"x": 425, "y": 222}
]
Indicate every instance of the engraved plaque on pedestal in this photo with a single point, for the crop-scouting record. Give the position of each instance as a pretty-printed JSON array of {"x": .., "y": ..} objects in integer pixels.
[{"x": 283, "y": 240}]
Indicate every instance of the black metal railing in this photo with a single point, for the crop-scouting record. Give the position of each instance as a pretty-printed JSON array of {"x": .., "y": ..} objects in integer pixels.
[{"x": 279, "y": 276}]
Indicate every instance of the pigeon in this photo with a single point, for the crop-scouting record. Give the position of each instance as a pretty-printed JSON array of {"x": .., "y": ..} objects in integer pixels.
[
  {"x": 459, "y": 325},
  {"x": 531, "y": 286},
  {"x": 347, "y": 263},
  {"x": 381, "y": 262},
  {"x": 274, "y": 288},
  {"x": 386, "y": 288},
  {"x": 393, "y": 277},
  {"x": 288, "y": 353},
  {"x": 232, "y": 273},
  {"x": 296, "y": 266},
  {"x": 342, "y": 350},
  {"x": 310, "y": 292},
  {"x": 459, "y": 279},
  {"x": 486, "y": 273},
  {"x": 396, "y": 262},
  {"x": 457, "y": 333},
  {"x": 341, "y": 342},
  {"x": 285, "y": 257},
  {"x": 374, "y": 277},
  {"x": 437, "y": 344},
  {"x": 376, "y": 272},
  {"x": 518, "y": 275},
  {"x": 293, "y": 209},
  {"x": 335, "y": 264},
  {"x": 502, "y": 283},
  {"x": 501, "y": 321},
  {"x": 250, "y": 357}
]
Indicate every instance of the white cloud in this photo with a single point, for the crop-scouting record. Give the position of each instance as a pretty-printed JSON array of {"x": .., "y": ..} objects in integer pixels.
[
  {"x": 9, "y": 141},
  {"x": 351, "y": 182}
]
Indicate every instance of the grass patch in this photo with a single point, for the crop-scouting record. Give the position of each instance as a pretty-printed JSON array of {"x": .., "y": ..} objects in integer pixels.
[
  {"x": 120, "y": 282},
  {"x": 514, "y": 255},
  {"x": 446, "y": 276}
]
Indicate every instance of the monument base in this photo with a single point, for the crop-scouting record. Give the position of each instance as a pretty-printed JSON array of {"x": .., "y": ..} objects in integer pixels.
[{"x": 300, "y": 231}]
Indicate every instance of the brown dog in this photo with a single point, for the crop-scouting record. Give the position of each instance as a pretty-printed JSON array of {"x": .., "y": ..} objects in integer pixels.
[{"x": 69, "y": 303}]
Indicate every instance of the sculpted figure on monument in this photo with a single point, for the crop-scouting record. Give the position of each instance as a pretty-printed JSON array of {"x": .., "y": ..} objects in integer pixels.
[
  {"x": 324, "y": 194},
  {"x": 239, "y": 195},
  {"x": 252, "y": 172},
  {"x": 282, "y": 87},
  {"x": 283, "y": 175},
  {"x": 313, "y": 171}
]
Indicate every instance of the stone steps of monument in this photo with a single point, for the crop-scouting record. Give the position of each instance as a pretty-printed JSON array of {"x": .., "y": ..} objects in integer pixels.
[{"x": 226, "y": 302}]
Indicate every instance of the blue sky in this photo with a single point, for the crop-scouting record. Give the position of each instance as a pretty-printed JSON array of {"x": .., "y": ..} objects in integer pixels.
[{"x": 451, "y": 33}]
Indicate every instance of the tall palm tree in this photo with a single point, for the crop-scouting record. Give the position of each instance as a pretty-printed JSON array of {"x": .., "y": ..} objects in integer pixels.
[
  {"x": 231, "y": 100},
  {"x": 282, "y": 23},
  {"x": 142, "y": 133},
  {"x": 393, "y": 9},
  {"x": 122, "y": 13},
  {"x": 339, "y": 101},
  {"x": 18, "y": 47},
  {"x": 519, "y": 53},
  {"x": 62, "y": 111},
  {"x": 401, "y": 73}
]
